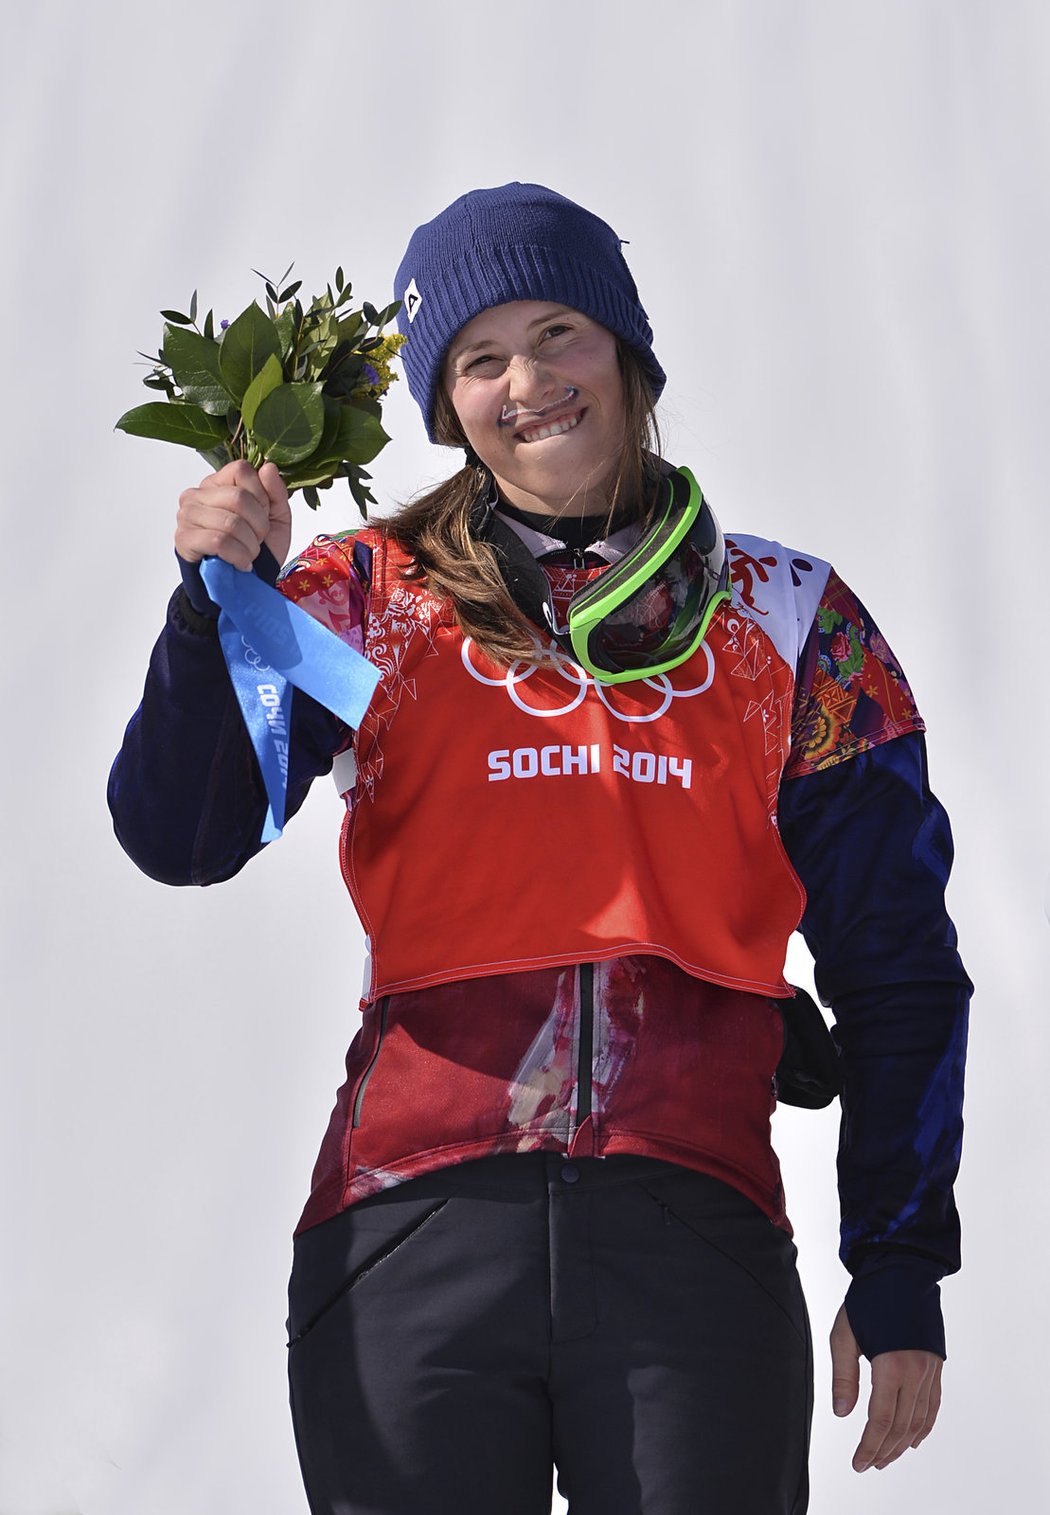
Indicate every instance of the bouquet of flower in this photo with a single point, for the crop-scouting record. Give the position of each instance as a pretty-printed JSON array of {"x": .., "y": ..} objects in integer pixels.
[{"x": 296, "y": 386}]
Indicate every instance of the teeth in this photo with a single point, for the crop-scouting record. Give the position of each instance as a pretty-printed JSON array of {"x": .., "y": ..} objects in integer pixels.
[{"x": 555, "y": 429}]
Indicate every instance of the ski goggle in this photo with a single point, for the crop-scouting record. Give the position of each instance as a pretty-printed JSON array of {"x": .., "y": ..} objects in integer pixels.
[
  {"x": 645, "y": 614},
  {"x": 651, "y": 610}
]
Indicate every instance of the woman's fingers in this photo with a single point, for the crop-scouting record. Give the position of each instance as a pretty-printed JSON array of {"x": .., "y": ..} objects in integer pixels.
[
  {"x": 279, "y": 536},
  {"x": 905, "y": 1398},
  {"x": 230, "y": 514}
]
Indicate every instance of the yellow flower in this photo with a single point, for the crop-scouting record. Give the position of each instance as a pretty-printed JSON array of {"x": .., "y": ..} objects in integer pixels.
[{"x": 376, "y": 375}]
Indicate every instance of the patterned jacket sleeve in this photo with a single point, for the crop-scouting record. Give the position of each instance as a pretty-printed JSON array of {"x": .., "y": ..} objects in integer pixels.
[
  {"x": 185, "y": 792},
  {"x": 873, "y": 849}
]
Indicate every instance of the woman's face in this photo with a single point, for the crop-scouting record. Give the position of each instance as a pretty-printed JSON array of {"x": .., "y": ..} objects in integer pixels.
[{"x": 538, "y": 392}]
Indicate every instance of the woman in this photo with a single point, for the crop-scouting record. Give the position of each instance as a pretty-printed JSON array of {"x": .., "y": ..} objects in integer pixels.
[{"x": 546, "y": 1224}]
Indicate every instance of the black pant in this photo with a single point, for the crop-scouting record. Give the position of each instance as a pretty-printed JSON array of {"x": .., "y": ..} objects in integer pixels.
[{"x": 639, "y": 1325}]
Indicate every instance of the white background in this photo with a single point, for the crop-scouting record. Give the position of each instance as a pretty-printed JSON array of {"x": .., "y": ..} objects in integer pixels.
[{"x": 838, "y": 216}]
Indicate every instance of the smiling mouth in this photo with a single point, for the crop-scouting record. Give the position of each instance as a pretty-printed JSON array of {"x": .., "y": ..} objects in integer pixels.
[
  {"x": 550, "y": 420},
  {"x": 551, "y": 429}
]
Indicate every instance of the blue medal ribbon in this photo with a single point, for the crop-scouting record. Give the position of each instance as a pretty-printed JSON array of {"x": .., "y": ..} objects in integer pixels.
[{"x": 270, "y": 643}]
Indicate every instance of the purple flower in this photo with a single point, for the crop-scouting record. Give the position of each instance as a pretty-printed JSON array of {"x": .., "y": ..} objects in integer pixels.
[
  {"x": 369, "y": 374},
  {"x": 223, "y": 324}
]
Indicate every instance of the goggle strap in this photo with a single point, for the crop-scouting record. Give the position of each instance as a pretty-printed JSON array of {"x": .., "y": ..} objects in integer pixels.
[
  {"x": 680, "y": 491},
  {"x": 526, "y": 581},
  {"x": 528, "y": 585}
]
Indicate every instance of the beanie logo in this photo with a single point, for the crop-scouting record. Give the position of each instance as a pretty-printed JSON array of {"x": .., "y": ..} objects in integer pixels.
[{"x": 413, "y": 300}]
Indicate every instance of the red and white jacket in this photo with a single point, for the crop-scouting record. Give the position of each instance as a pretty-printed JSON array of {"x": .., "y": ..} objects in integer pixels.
[{"x": 576, "y": 897}]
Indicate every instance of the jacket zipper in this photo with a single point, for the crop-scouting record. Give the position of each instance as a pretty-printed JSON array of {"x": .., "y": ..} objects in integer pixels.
[
  {"x": 585, "y": 1056},
  {"x": 355, "y": 1117}
]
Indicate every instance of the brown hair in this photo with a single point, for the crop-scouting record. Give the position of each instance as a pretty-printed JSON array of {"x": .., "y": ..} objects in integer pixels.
[{"x": 435, "y": 529}]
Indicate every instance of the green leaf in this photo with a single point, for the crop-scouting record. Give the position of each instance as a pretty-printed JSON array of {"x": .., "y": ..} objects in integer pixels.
[
  {"x": 361, "y": 437},
  {"x": 247, "y": 343},
  {"x": 216, "y": 457},
  {"x": 289, "y": 422},
  {"x": 286, "y": 294},
  {"x": 285, "y": 327},
  {"x": 194, "y": 363},
  {"x": 319, "y": 467},
  {"x": 264, "y": 383},
  {"x": 322, "y": 461},
  {"x": 309, "y": 474},
  {"x": 176, "y": 316},
  {"x": 370, "y": 407},
  {"x": 352, "y": 328},
  {"x": 360, "y": 491},
  {"x": 328, "y": 443},
  {"x": 193, "y": 306},
  {"x": 342, "y": 373},
  {"x": 186, "y": 425}
]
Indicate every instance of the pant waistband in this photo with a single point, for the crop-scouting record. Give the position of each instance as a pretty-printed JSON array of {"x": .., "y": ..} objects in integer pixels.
[{"x": 532, "y": 1174}]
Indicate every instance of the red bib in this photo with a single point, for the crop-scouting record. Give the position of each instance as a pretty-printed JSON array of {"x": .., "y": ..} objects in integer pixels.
[{"x": 529, "y": 817}]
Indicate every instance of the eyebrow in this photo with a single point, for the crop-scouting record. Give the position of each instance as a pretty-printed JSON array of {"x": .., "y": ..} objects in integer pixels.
[{"x": 458, "y": 352}]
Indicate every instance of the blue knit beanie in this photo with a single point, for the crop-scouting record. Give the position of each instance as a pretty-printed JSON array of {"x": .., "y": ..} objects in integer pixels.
[{"x": 517, "y": 242}]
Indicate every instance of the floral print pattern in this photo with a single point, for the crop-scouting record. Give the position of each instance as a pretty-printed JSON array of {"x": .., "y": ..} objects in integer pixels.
[{"x": 851, "y": 693}]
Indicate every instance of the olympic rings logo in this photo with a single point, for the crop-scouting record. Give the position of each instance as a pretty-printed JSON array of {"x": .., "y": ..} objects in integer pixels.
[
  {"x": 252, "y": 658},
  {"x": 516, "y": 678}
]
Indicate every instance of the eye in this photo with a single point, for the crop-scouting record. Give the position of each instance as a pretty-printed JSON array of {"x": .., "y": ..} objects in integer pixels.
[
  {"x": 558, "y": 329},
  {"x": 478, "y": 364}
]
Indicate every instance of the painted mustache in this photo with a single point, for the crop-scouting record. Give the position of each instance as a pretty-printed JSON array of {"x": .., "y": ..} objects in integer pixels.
[{"x": 521, "y": 412}]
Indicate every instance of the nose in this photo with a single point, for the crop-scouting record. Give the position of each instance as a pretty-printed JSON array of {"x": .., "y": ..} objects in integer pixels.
[{"x": 531, "y": 385}]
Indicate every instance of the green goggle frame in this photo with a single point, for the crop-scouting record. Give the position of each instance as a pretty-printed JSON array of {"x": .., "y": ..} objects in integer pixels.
[
  {"x": 679, "y": 566},
  {"x": 682, "y": 552}
]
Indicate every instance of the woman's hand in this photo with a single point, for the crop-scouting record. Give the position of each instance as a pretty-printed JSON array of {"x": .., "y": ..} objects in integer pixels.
[
  {"x": 232, "y": 513},
  {"x": 905, "y": 1396}
]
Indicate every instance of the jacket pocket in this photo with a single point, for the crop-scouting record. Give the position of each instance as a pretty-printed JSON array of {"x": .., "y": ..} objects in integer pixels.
[{"x": 364, "y": 1080}]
